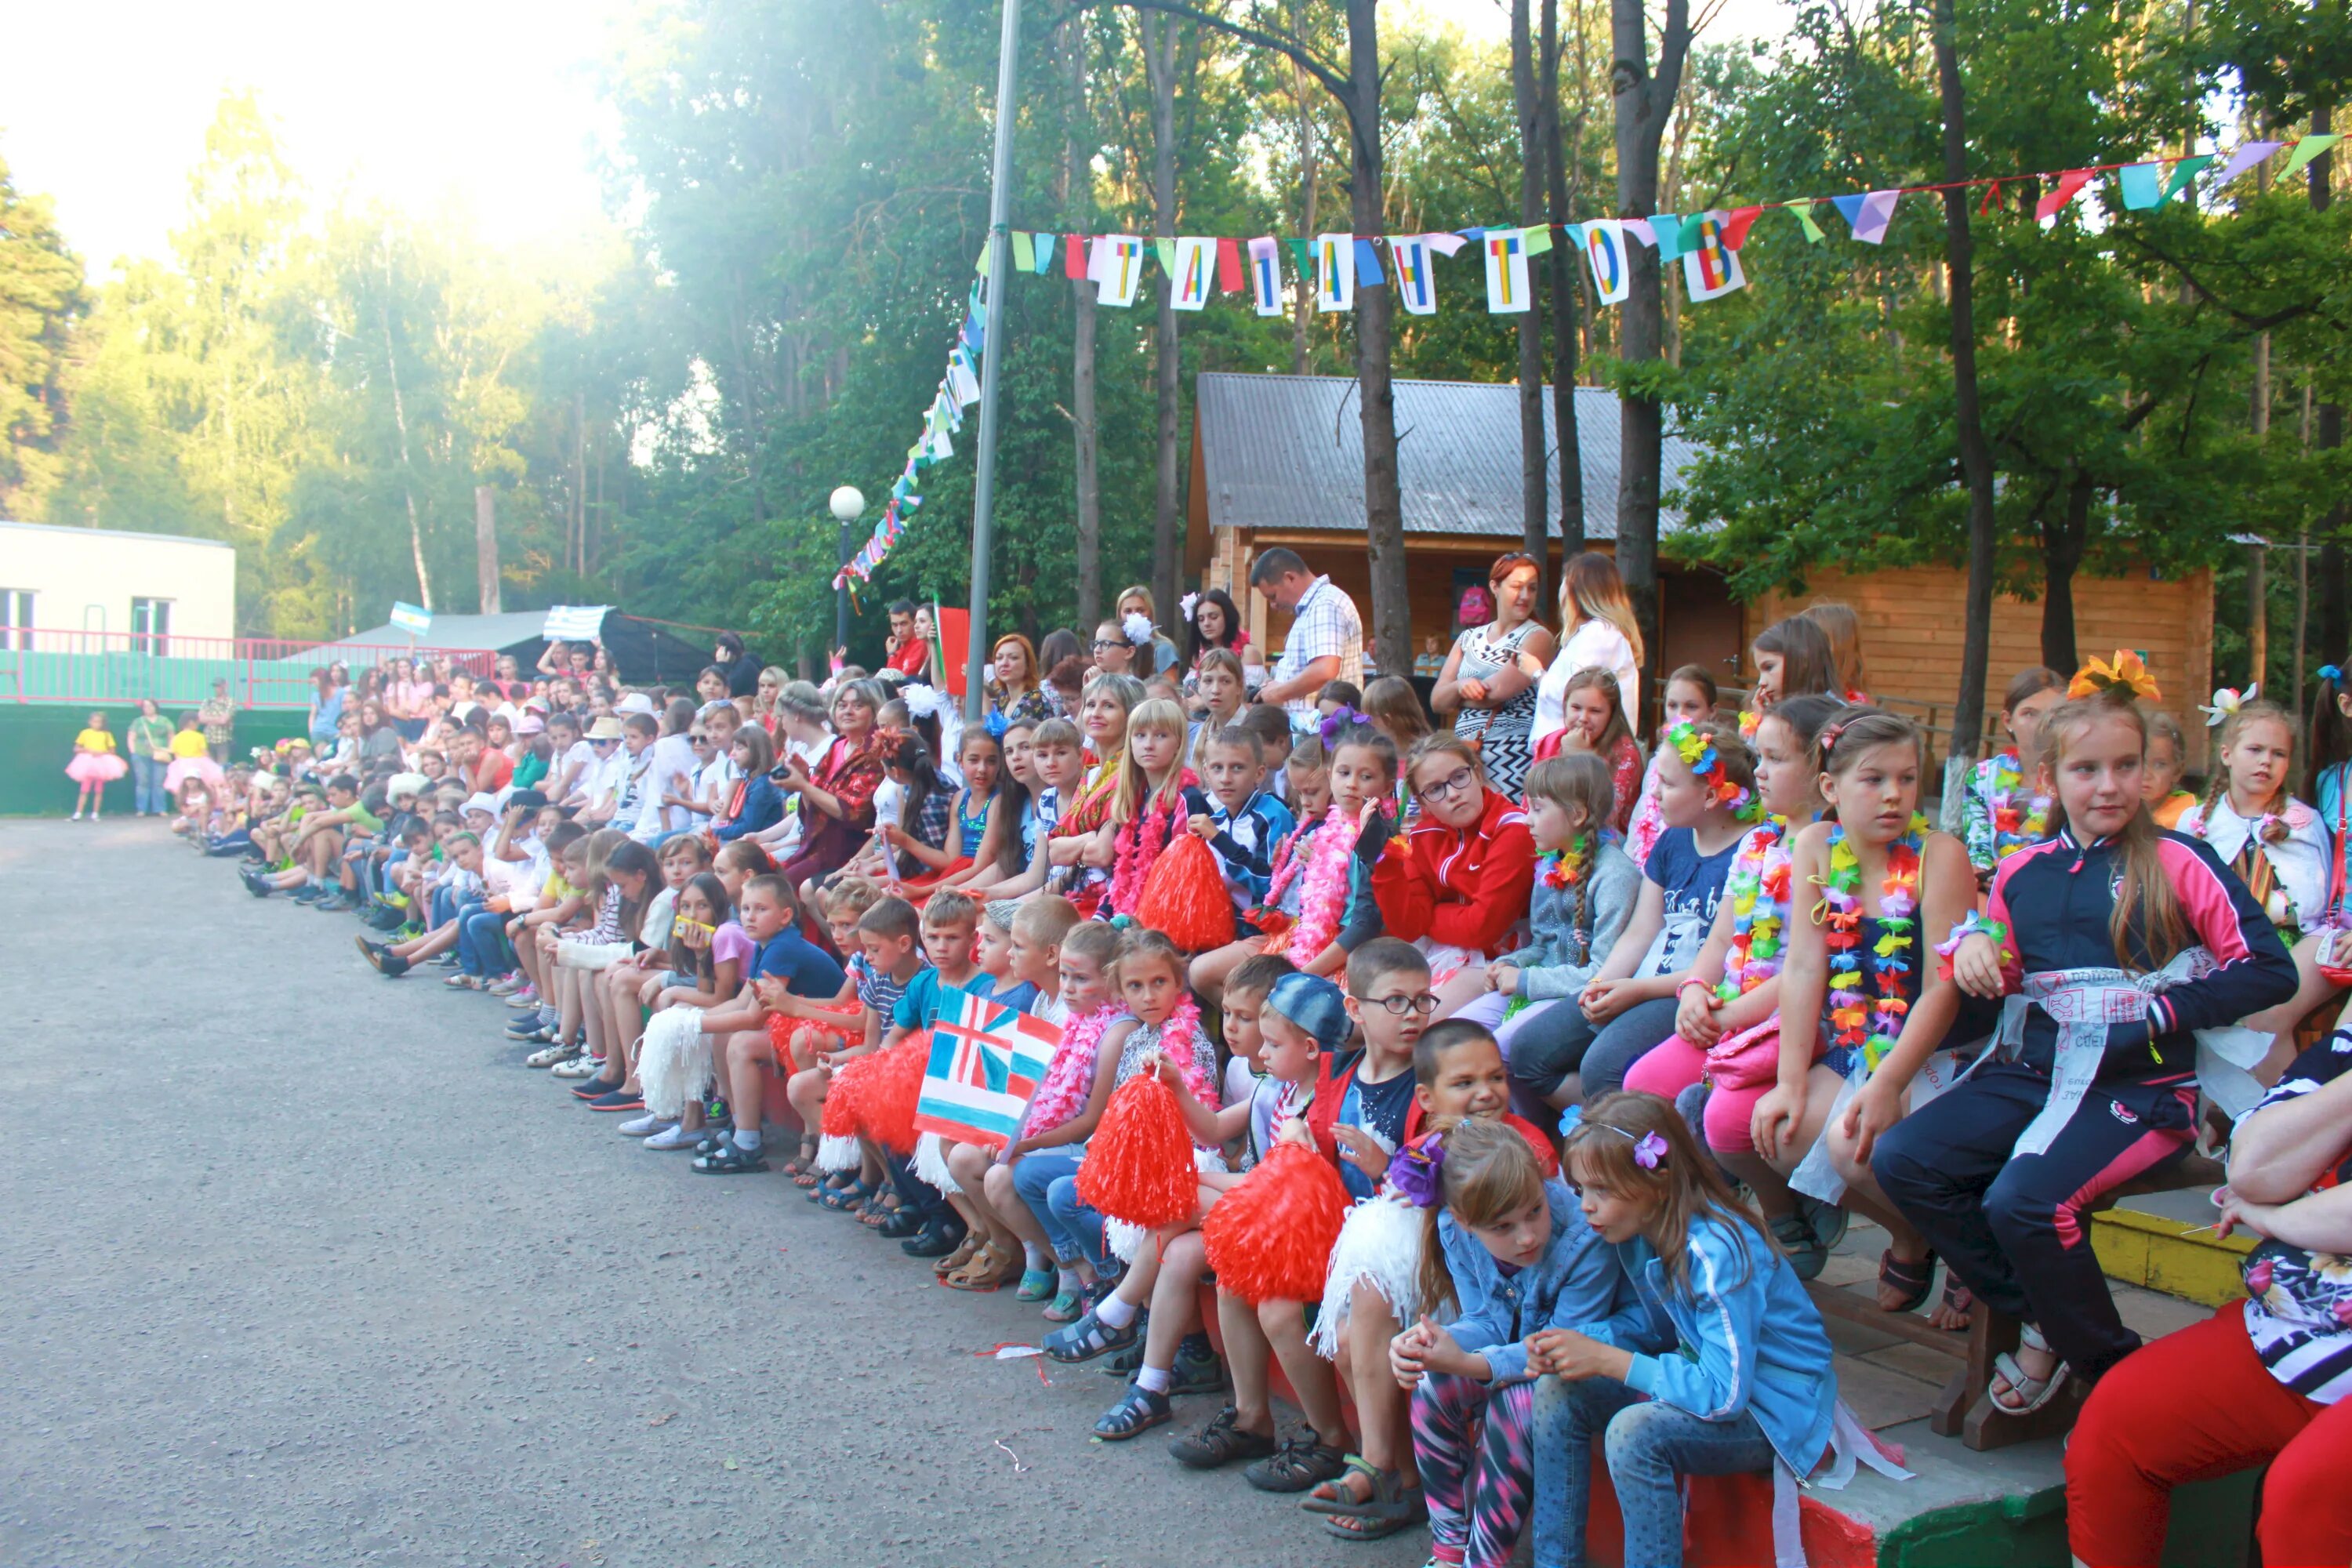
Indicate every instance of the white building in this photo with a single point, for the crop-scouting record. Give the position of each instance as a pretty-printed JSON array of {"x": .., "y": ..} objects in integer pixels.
[{"x": 95, "y": 590}]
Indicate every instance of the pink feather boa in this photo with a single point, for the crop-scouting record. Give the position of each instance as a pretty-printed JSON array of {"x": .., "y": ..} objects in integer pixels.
[
  {"x": 1324, "y": 898},
  {"x": 1070, "y": 1076}
]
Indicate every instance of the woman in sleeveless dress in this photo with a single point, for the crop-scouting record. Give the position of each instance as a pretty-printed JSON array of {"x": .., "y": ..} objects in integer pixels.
[{"x": 1488, "y": 684}]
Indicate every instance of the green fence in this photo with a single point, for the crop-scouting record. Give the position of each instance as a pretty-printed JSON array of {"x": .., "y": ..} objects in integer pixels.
[{"x": 36, "y": 742}]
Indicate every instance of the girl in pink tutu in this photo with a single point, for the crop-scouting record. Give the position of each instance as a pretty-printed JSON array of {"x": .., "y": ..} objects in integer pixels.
[
  {"x": 192, "y": 775},
  {"x": 96, "y": 763}
]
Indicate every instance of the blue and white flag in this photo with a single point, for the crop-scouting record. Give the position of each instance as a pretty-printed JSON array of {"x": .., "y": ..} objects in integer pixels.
[
  {"x": 987, "y": 1059},
  {"x": 574, "y": 623},
  {"x": 415, "y": 622}
]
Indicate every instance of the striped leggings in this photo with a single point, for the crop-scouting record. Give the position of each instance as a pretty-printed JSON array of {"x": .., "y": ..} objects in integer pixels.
[{"x": 1477, "y": 1497}]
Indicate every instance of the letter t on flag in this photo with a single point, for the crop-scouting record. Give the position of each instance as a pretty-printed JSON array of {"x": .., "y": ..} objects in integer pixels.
[
  {"x": 1505, "y": 250},
  {"x": 1265, "y": 275}
]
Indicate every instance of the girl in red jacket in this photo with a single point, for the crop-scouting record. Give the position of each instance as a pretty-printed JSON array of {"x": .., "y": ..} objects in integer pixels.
[{"x": 1458, "y": 885}]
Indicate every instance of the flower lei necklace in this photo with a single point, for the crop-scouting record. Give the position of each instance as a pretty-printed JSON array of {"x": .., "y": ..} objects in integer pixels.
[
  {"x": 1700, "y": 755},
  {"x": 1759, "y": 888},
  {"x": 2013, "y": 828},
  {"x": 1568, "y": 871},
  {"x": 1873, "y": 1034}
]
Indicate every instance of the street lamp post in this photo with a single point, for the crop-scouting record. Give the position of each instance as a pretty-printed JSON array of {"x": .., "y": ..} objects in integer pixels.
[
  {"x": 848, "y": 504},
  {"x": 1000, "y": 266}
]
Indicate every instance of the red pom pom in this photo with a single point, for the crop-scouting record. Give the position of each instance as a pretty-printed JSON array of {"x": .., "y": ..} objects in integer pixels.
[
  {"x": 1269, "y": 1238},
  {"x": 842, "y": 1094},
  {"x": 886, "y": 1110},
  {"x": 1184, "y": 898},
  {"x": 1139, "y": 1166}
]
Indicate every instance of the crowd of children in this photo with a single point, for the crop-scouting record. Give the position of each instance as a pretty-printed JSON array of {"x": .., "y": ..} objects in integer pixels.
[{"x": 1498, "y": 1120}]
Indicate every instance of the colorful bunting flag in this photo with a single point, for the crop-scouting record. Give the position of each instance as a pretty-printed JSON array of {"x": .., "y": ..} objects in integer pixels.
[
  {"x": 1735, "y": 233},
  {"x": 1189, "y": 281},
  {"x": 1803, "y": 213},
  {"x": 1265, "y": 276},
  {"x": 2053, "y": 200},
  {"x": 1117, "y": 268},
  {"x": 1025, "y": 253},
  {"x": 1368, "y": 264},
  {"x": 1044, "y": 245},
  {"x": 2142, "y": 184},
  {"x": 1639, "y": 227},
  {"x": 1165, "y": 251},
  {"x": 963, "y": 378},
  {"x": 1229, "y": 267},
  {"x": 2185, "y": 171},
  {"x": 1505, "y": 250},
  {"x": 1335, "y": 272},
  {"x": 980, "y": 263},
  {"x": 2248, "y": 155},
  {"x": 1604, "y": 250},
  {"x": 1302, "y": 258},
  {"x": 1416, "y": 286},
  {"x": 1710, "y": 266},
  {"x": 2310, "y": 147},
  {"x": 1538, "y": 238},
  {"x": 1666, "y": 235},
  {"x": 1073, "y": 258},
  {"x": 1868, "y": 215}
]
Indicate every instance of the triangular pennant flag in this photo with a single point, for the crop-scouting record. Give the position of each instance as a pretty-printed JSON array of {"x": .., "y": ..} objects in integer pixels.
[
  {"x": 1537, "y": 237},
  {"x": 2185, "y": 171},
  {"x": 979, "y": 264},
  {"x": 1042, "y": 246},
  {"x": 1335, "y": 272},
  {"x": 1710, "y": 267},
  {"x": 2310, "y": 147},
  {"x": 1189, "y": 282},
  {"x": 1302, "y": 259},
  {"x": 1229, "y": 267},
  {"x": 2248, "y": 155},
  {"x": 1605, "y": 251},
  {"x": 1074, "y": 257},
  {"x": 1667, "y": 234},
  {"x": 1025, "y": 254},
  {"x": 1734, "y": 232},
  {"x": 1165, "y": 249},
  {"x": 1639, "y": 227},
  {"x": 1505, "y": 250},
  {"x": 1265, "y": 275},
  {"x": 2053, "y": 201},
  {"x": 1416, "y": 288},
  {"x": 1803, "y": 213},
  {"x": 1869, "y": 214},
  {"x": 1368, "y": 264},
  {"x": 2142, "y": 184}
]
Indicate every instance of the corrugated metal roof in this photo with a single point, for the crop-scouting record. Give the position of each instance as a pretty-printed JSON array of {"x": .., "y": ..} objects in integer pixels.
[{"x": 1286, "y": 451}]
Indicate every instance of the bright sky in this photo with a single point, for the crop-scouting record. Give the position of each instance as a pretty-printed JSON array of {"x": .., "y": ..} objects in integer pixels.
[{"x": 489, "y": 104}]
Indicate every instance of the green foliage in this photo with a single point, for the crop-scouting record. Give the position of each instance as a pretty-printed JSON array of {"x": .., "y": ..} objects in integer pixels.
[{"x": 40, "y": 296}]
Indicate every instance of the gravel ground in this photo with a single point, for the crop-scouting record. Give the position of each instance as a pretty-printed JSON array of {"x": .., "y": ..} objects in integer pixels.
[{"x": 299, "y": 1266}]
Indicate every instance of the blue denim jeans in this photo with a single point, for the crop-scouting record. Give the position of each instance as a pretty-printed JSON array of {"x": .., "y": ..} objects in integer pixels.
[
  {"x": 147, "y": 792},
  {"x": 481, "y": 941},
  {"x": 1035, "y": 1177},
  {"x": 1651, "y": 1447}
]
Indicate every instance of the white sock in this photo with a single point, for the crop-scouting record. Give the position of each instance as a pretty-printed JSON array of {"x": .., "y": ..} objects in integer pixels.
[
  {"x": 1069, "y": 1283},
  {"x": 1034, "y": 1257},
  {"x": 1114, "y": 1313},
  {"x": 747, "y": 1141},
  {"x": 1152, "y": 1380}
]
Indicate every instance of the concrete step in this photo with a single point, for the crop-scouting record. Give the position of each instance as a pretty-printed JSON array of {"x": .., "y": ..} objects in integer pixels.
[{"x": 2166, "y": 1242}]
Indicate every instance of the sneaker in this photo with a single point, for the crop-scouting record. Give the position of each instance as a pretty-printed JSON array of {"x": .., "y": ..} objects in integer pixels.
[
  {"x": 593, "y": 1086},
  {"x": 1197, "y": 1368},
  {"x": 618, "y": 1100},
  {"x": 580, "y": 1064},
  {"x": 645, "y": 1126},
  {"x": 551, "y": 1056},
  {"x": 309, "y": 893},
  {"x": 525, "y": 999},
  {"x": 526, "y": 1027},
  {"x": 505, "y": 985},
  {"x": 1221, "y": 1442},
  {"x": 674, "y": 1136}
]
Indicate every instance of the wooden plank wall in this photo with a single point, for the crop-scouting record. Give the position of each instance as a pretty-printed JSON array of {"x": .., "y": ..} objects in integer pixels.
[{"x": 1912, "y": 621}]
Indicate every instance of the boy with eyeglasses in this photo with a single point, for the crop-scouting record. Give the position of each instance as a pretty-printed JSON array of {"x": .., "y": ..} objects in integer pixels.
[{"x": 1367, "y": 1096}]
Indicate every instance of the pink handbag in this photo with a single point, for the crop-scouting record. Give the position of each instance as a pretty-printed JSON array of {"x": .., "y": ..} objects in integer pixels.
[{"x": 1749, "y": 1060}]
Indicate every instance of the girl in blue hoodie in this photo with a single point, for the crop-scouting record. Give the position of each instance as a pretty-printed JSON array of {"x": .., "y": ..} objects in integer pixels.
[
  {"x": 1514, "y": 1255},
  {"x": 1730, "y": 1373}
]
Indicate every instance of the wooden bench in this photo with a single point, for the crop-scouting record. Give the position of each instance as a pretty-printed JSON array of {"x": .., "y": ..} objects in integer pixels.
[{"x": 1965, "y": 1409}]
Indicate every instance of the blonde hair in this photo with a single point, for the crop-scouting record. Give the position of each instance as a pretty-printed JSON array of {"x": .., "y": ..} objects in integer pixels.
[
  {"x": 1450, "y": 744},
  {"x": 1591, "y": 589},
  {"x": 1157, "y": 717},
  {"x": 2232, "y": 728},
  {"x": 1391, "y": 704},
  {"x": 2144, "y": 895},
  {"x": 1679, "y": 1188},
  {"x": 1575, "y": 781},
  {"x": 1489, "y": 1172}
]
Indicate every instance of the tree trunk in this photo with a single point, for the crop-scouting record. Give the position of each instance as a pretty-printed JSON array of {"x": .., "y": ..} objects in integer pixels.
[
  {"x": 1565, "y": 290},
  {"x": 1383, "y": 505},
  {"x": 2063, "y": 544},
  {"x": 400, "y": 424},
  {"x": 1076, "y": 198},
  {"x": 1310, "y": 168},
  {"x": 1976, "y": 457},
  {"x": 486, "y": 548},
  {"x": 1159, "y": 66},
  {"x": 2332, "y": 631},
  {"x": 1642, "y": 103},
  {"x": 1533, "y": 495}
]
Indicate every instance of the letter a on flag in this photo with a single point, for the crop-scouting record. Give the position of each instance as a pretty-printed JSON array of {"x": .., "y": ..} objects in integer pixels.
[
  {"x": 1415, "y": 285},
  {"x": 1505, "y": 250},
  {"x": 1710, "y": 267},
  {"x": 986, "y": 1061},
  {"x": 1335, "y": 271},
  {"x": 1189, "y": 283},
  {"x": 1265, "y": 275},
  {"x": 1604, "y": 252}
]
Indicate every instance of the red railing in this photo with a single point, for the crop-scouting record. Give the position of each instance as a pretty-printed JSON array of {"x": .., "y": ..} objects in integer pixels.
[{"x": 42, "y": 664}]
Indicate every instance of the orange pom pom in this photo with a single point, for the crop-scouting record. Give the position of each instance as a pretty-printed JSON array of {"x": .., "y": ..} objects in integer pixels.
[
  {"x": 1269, "y": 1238},
  {"x": 842, "y": 1095},
  {"x": 886, "y": 1110},
  {"x": 1185, "y": 898},
  {"x": 1139, "y": 1166}
]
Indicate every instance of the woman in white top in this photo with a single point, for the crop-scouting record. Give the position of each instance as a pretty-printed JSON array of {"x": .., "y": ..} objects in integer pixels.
[{"x": 1598, "y": 633}]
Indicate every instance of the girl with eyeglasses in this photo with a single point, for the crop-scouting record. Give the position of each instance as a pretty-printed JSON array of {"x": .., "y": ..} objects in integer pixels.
[{"x": 1459, "y": 883}]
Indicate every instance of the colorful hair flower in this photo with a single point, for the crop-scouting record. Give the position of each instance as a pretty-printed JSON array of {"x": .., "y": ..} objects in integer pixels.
[
  {"x": 2129, "y": 673},
  {"x": 1650, "y": 1151},
  {"x": 1418, "y": 1173},
  {"x": 2226, "y": 702}
]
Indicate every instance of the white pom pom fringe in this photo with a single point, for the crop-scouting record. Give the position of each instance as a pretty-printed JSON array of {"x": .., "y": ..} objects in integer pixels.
[
  {"x": 1126, "y": 1241},
  {"x": 1381, "y": 1246},
  {"x": 675, "y": 1067},
  {"x": 836, "y": 1154},
  {"x": 931, "y": 1165}
]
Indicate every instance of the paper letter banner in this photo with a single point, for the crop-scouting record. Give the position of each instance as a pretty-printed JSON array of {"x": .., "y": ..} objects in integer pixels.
[
  {"x": 1189, "y": 285},
  {"x": 1505, "y": 251},
  {"x": 1415, "y": 287},
  {"x": 2310, "y": 147},
  {"x": 2053, "y": 201},
  {"x": 1604, "y": 249},
  {"x": 1667, "y": 234},
  {"x": 1335, "y": 271},
  {"x": 1044, "y": 245},
  {"x": 1117, "y": 268},
  {"x": 1868, "y": 215},
  {"x": 962, "y": 382},
  {"x": 1711, "y": 268},
  {"x": 985, "y": 1062},
  {"x": 1229, "y": 267},
  {"x": 2247, "y": 156},
  {"x": 1265, "y": 276}
]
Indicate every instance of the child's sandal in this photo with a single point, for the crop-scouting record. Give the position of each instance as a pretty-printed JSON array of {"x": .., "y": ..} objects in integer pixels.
[
  {"x": 1959, "y": 1303},
  {"x": 838, "y": 1198},
  {"x": 1914, "y": 1279},
  {"x": 1138, "y": 1413},
  {"x": 732, "y": 1160},
  {"x": 1388, "y": 1507},
  {"x": 2032, "y": 1393}
]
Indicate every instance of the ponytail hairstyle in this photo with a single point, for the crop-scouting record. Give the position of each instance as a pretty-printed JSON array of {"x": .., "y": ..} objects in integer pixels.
[
  {"x": 1393, "y": 707},
  {"x": 1842, "y": 629},
  {"x": 1605, "y": 682},
  {"x": 743, "y": 855},
  {"x": 2331, "y": 732},
  {"x": 1807, "y": 663},
  {"x": 2232, "y": 728},
  {"x": 1850, "y": 734},
  {"x": 1638, "y": 1146},
  {"x": 2147, "y": 928},
  {"x": 911, "y": 755},
  {"x": 1591, "y": 589},
  {"x": 1156, "y": 717},
  {"x": 1486, "y": 1171},
  {"x": 1807, "y": 716}
]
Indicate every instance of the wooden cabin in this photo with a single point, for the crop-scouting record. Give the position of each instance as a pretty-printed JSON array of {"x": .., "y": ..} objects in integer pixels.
[{"x": 1278, "y": 460}]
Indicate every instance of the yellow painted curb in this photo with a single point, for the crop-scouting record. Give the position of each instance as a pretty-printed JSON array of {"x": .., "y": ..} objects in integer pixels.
[{"x": 2169, "y": 1255}]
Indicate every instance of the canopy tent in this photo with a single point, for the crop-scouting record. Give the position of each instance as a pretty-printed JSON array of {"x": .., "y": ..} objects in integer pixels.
[{"x": 645, "y": 653}]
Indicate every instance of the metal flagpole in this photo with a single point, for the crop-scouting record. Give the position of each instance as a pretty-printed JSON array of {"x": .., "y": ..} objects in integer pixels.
[{"x": 1000, "y": 267}]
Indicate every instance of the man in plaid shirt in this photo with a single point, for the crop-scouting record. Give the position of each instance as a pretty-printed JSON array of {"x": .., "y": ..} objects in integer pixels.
[{"x": 1327, "y": 636}]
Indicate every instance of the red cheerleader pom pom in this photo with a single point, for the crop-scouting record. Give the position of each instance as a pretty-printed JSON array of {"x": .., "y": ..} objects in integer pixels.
[
  {"x": 1185, "y": 898},
  {"x": 1139, "y": 1165},
  {"x": 1269, "y": 1238},
  {"x": 842, "y": 1095},
  {"x": 886, "y": 1110}
]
